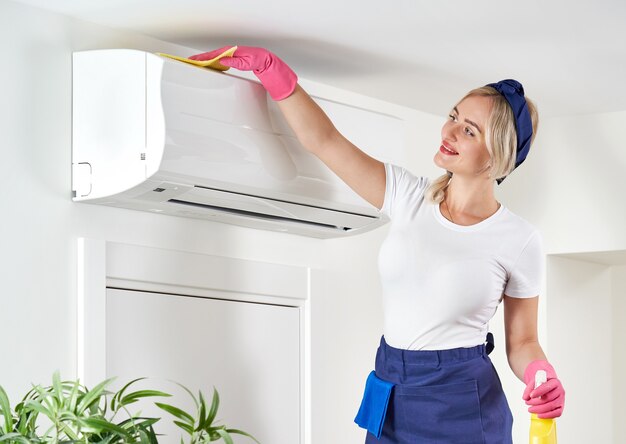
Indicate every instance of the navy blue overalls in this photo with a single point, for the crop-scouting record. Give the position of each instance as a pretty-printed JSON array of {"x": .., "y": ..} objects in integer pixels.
[{"x": 435, "y": 396}]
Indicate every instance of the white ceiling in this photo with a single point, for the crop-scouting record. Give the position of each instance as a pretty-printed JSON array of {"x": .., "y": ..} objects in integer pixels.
[{"x": 570, "y": 55}]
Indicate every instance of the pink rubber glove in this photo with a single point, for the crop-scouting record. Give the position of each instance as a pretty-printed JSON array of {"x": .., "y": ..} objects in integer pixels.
[
  {"x": 547, "y": 400},
  {"x": 277, "y": 78}
]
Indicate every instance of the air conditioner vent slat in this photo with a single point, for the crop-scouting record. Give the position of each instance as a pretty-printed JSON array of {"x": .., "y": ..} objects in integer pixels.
[
  {"x": 283, "y": 201},
  {"x": 259, "y": 215}
]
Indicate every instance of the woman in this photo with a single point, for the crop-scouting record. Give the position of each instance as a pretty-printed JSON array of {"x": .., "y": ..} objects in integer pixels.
[{"x": 453, "y": 253}]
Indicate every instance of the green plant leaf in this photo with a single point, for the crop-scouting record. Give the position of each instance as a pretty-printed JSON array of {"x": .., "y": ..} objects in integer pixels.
[
  {"x": 78, "y": 416},
  {"x": 186, "y": 427},
  {"x": 67, "y": 429},
  {"x": 31, "y": 394},
  {"x": 241, "y": 432},
  {"x": 225, "y": 436},
  {"x": 176, "y": 412},
  {"x": 143, "y": 422},
  {"x": 138, "y": 423},
  {"x": 65, "y": 415},
  {"x": 73, "y": 400},
  {"x": 202, "y": 422},
  {"x": 196, "y": 402},
  {"x": 46, "y": 434},
  {"x": 56, "y": 386},
  {"x": 38, "y": 407},
  {"x": 99, "y": 425},
  {"x": 93, "y": 395},
  {"x": 71, "y": 393},
  {"x": 5, "y": 411},
  {"x": 136, "y": 396},
  {"x": 153, "y": 436},
  {"x": 213, "y": 435},
  {"x": 143, "y": 437},
  {"x": 94, "y": 409},
  {"x": 214, "y": 406},
  {"x": 119, "y": 394},
  {"x": 14, "y": 438},
  {"x": 107, "y": 439},
  {"x": 43, "y": 397},
  {"x": 26, "y": 423}
]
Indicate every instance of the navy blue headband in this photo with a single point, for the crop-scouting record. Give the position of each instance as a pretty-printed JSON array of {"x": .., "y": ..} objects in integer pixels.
[{"x": 513, "y": 92}]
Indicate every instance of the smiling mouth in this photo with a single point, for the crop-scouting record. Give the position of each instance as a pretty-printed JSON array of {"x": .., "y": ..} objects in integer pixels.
[{"x": 449, "y": 151}]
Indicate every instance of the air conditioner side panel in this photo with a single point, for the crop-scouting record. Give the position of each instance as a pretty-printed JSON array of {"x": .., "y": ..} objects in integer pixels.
[{"x": 108, "y": 120}]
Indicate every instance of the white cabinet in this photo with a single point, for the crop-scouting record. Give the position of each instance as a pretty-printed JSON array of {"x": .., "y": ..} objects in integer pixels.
[
  {"x": 249, "y": 351},
  {"x": 201, "y": 321}
]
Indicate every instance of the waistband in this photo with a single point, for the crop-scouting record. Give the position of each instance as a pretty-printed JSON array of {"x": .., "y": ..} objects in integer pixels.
[{"x": 435, "y": 357}]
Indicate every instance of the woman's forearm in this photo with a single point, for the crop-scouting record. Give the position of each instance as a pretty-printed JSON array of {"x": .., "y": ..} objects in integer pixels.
[
  {"x": 520, "y": 356},
  {"x": 307, "y": 120}
]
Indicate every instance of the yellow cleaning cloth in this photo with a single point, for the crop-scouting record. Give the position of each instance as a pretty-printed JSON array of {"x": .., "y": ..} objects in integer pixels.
[{"x": 213, "y": 63}]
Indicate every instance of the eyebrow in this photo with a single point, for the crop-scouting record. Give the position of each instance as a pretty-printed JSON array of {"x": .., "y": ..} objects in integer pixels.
[{"x": 468, "y": 121}]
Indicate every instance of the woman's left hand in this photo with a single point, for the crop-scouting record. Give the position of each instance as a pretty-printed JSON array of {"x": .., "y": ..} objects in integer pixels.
[{"x": 547, "y": 400}]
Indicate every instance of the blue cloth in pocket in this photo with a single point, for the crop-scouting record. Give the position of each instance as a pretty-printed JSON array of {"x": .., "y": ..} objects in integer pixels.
[{"x": 371, "y": 415}]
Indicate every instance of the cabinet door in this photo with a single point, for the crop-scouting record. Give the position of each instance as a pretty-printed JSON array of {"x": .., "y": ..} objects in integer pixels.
[{"x": 250, "y": 352}]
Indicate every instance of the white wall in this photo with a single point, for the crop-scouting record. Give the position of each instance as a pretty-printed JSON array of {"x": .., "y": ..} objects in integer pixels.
[
  {"x": 587, "y": 314},
  {"x": 570, "y": 184},
  {"x": 618, "y": 290},
  {"x": 566, "y": 188},
  {"x": 581, "y": 347}
]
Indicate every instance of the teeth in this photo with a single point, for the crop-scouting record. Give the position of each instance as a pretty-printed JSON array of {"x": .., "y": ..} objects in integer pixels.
[{"x": 449, "y": 150}]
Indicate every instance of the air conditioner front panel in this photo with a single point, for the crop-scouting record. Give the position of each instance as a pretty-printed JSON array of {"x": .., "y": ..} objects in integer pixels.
[{"x": 242, "y": 144}]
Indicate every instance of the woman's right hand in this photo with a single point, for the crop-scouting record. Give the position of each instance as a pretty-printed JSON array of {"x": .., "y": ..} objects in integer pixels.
[{"x": 278, "y": 79}]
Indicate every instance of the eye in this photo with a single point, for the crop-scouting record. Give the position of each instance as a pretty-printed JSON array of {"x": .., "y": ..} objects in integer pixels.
[{"x": 467, "y": 129}]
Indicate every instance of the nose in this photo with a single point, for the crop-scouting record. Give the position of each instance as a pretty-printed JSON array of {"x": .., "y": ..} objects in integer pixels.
[{"x": 450, "y": 130}]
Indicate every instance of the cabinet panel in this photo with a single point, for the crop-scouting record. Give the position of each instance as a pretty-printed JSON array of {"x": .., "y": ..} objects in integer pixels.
[{"x": 250, "y": 352}]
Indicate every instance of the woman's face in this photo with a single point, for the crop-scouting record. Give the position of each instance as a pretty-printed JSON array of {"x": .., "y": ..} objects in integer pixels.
[{"x": 464, "y": 133}]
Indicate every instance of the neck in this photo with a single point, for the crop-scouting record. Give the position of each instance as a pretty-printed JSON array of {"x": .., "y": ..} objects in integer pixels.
[{"x": 471, "y": 197}]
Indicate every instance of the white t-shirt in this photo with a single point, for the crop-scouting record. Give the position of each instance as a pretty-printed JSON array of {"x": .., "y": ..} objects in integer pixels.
[{"x": 442, "y": 282}]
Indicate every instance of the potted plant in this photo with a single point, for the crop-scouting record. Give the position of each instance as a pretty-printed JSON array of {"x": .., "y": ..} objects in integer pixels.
[{"x": 72, "y": 414}]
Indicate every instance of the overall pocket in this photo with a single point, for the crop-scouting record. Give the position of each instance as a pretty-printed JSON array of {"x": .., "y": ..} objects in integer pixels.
[{"x": 445, "y": 413}]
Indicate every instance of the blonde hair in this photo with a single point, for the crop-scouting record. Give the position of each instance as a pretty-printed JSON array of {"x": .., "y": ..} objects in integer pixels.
[{"x": 500, "y": 138}]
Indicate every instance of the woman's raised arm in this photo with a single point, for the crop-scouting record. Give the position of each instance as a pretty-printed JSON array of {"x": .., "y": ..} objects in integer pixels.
[
  {"x": 361, "y": 172},
  {"x": 364, "y": 174}
]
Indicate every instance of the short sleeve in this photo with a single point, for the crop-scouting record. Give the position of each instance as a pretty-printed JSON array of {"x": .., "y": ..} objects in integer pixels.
[
  {"x": 402, "y": 188},
  {"x": 525, "y": 279}
]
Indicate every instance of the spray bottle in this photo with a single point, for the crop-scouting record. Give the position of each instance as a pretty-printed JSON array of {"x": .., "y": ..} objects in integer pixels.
[{"x": 542, "y": 431}]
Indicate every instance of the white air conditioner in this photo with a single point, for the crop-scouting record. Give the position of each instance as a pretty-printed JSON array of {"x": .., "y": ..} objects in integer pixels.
[{"x": 155, "y": 134}]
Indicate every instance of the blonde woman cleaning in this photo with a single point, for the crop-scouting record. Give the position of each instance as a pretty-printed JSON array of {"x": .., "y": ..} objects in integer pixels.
[{"x": 453, "y": 253}]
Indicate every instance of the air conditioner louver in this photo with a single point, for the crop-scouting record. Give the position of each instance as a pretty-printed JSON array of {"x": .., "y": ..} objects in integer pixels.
[{"x": 289, "y": 220}]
